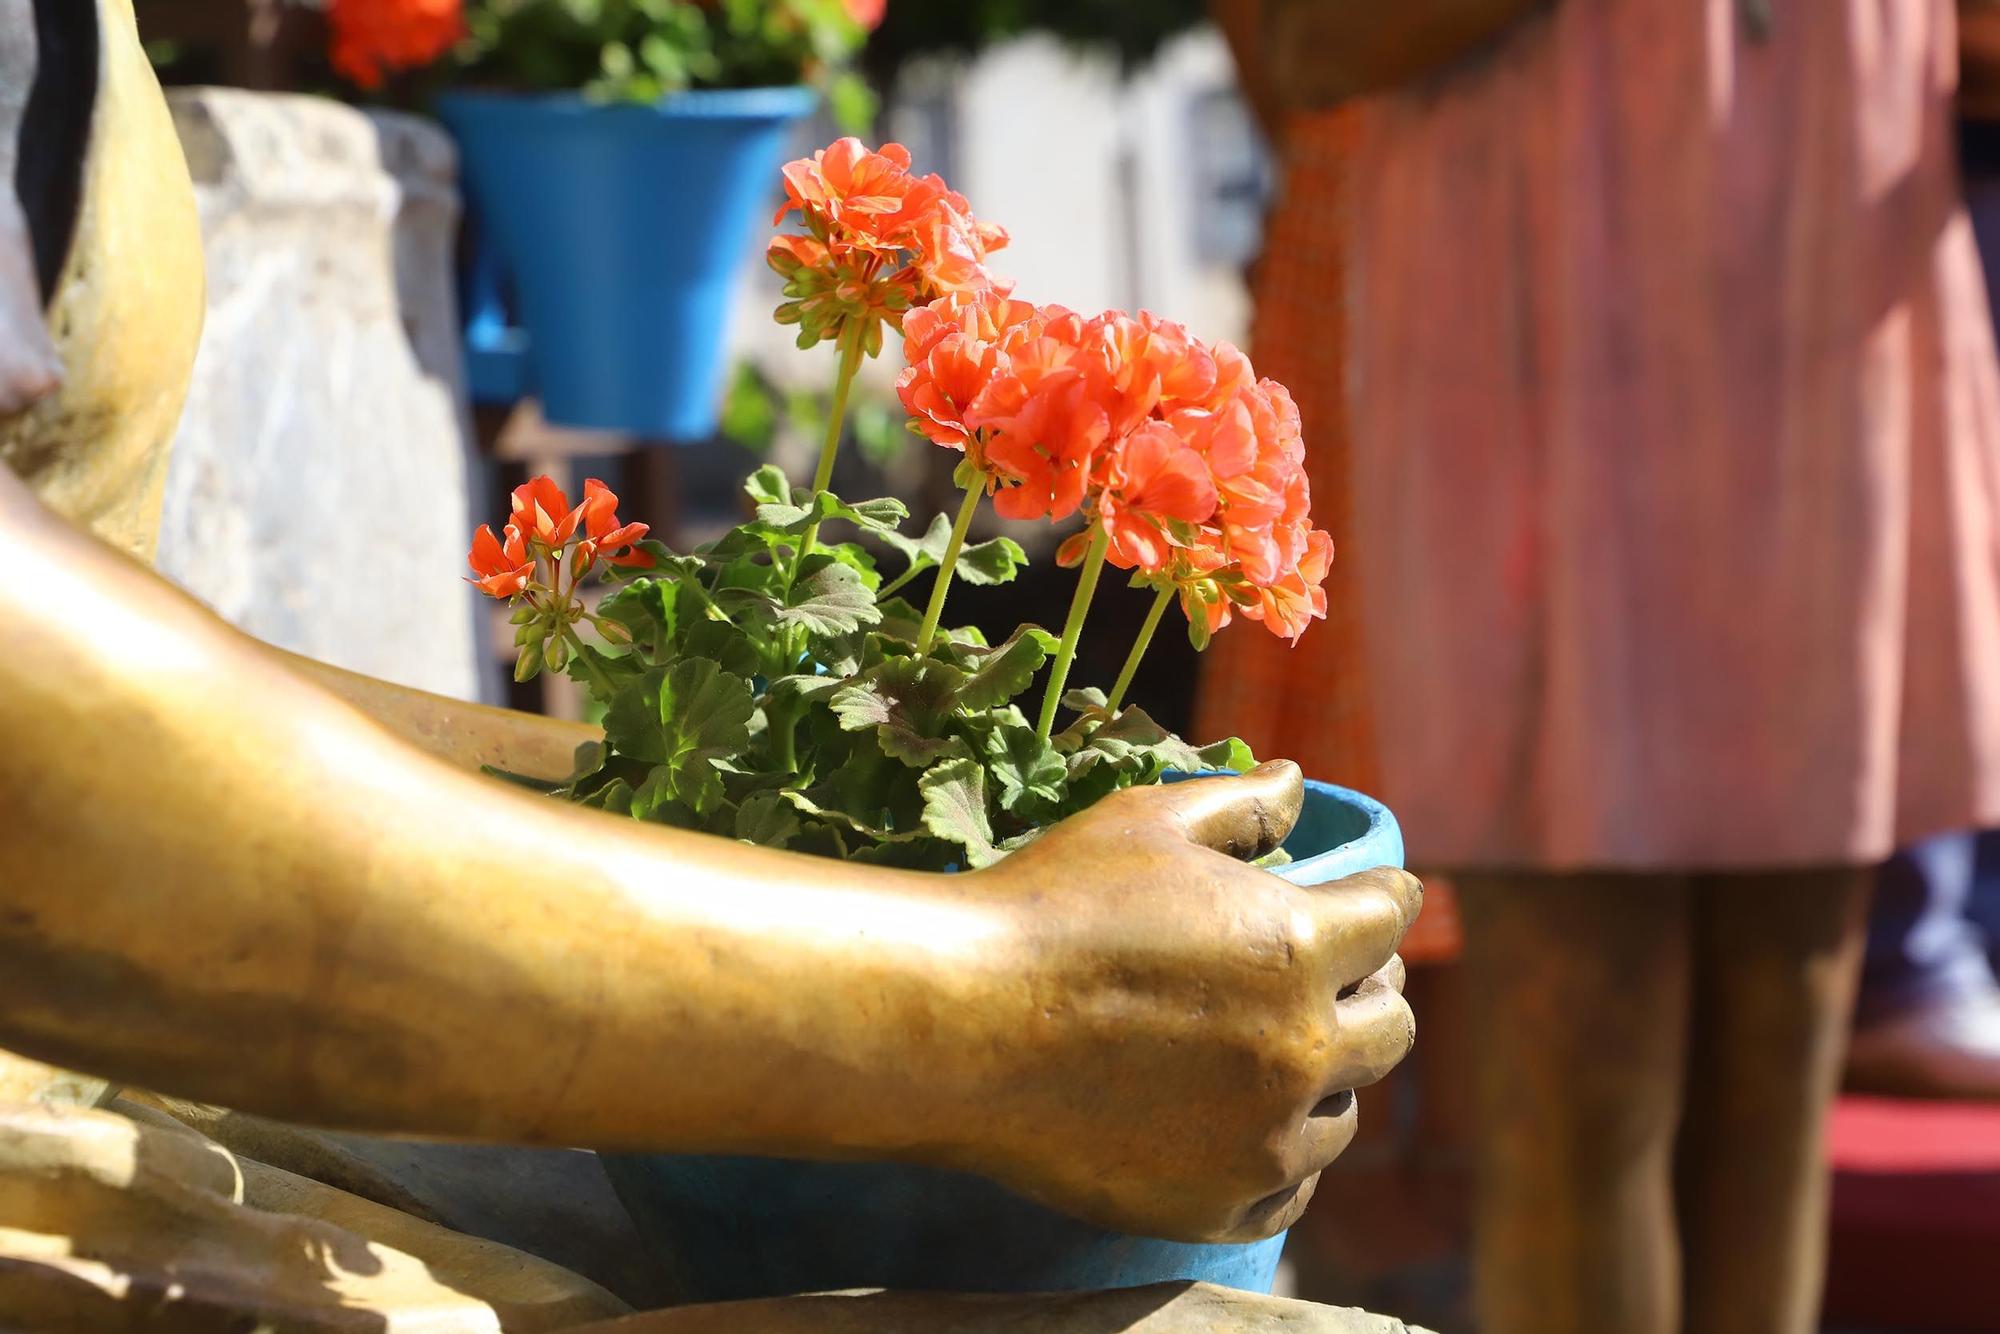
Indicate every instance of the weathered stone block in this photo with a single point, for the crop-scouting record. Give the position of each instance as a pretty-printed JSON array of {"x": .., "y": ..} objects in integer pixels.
[{"x": 318, "y": 491}]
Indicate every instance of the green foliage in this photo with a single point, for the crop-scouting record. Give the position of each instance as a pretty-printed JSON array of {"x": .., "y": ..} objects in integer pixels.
[
  {"x": 754, "y": 409},
  {"x": 640, "y": 50},
  {"x": 783, "y": 701},
  {"x": 1133, "y": 30}
]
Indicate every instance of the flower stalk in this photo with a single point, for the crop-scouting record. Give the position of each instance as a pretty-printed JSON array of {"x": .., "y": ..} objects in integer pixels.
[
  {"x": 851, "y": 339},
  {"x": 1079, "y": 608},
  {"x": 1139, "y": 647},
  {"x": 948, "y": 564}
]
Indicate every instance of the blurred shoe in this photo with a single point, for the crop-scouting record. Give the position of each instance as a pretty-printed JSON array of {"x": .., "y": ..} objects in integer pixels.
[{"x": 1947, "y": 1049}]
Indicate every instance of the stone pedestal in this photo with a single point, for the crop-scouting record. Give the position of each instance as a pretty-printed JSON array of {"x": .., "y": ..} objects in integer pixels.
[{"x": 317, "y": 496}]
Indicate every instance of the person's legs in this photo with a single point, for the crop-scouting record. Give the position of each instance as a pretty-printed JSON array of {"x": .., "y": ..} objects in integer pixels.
[
  {"x": 1775, "y": 961},
  {"x": 1578, "y": 1034}
]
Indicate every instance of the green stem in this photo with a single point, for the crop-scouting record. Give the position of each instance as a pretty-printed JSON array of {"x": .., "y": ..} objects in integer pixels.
[
  {"x": 1139, "y": 647},
  {"x": 889, "y": 589},
  {"x": 850, "y": 361},
  {"x": 606, "y": 687},
  {"x": 973, "y": 494},
  {"x": 1079, "y": 607}
]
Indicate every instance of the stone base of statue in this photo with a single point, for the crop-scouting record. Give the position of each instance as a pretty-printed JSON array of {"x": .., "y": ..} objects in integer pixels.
[{"x": 127, "y": 1218}]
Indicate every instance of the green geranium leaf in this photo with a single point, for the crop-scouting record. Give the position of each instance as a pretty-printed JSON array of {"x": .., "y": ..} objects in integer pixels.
[
  {"x": 995, "y": 561},
  {"x": 908, "y": 701},
  {"x": 828, "y": 598},
  {"x": 1004, "y": 672},
  {"x": 845, "y": 821},
  {"x": 615, "y": 796},
  {"x": 1089, "y": 699},
  {"x": 680, "y": 719},
  {"x": 723, "y": 643},
  {"x": 923, "y": 552},
  {"x": 646, "y": 607},
  {"x": 805, "y": 687},
  {"x": 1133, "y": 743},
  {"x": 767, "y": 820},
  {"x": 875, "y": 516},
  {"x": 856, "y": 558},
  {"x": 955, "y": 808},
  {"x": 1027, "y": 768},
  {"x": 768, "y": 486},
  {"x": 1232, "y": 754},
  {"x": 900, "y": 621}
]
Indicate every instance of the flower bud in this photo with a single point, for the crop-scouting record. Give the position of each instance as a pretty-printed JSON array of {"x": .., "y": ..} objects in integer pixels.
[{"x": 529, "y": 664}]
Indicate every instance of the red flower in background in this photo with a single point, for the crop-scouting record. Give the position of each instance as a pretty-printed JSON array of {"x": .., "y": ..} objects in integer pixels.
[
  {"x": 373, "y": 38},
  {"x": 868, "y": 13}
]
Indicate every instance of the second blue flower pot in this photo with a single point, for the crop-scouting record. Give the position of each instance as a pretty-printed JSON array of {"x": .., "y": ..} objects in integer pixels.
[{"x": 624, "y": 230}]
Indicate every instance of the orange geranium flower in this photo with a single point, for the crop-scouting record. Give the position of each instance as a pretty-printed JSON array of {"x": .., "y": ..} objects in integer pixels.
[
  {"x": 1152, "y": 483},
  {"x": 1297, "y": 599},
  {"x": 605, "y": 538},
  {"x": 541, "y": 511},
  {"x": 501, "y": 569},
  {"x": 1043, "y": 422},
  {"x": 953, "y": 347},
  {"x": 852, "y": 196},
  {"x": 372, "y": 38},
  {"x": 1257, "y": 457},
  {"x": 879, "y": 240},
  {"x": 543, "y": 533},
  {"x": 1149, "y": 365}
]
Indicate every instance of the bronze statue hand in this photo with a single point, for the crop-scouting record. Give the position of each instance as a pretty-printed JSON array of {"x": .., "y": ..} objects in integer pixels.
[
  {"x": 1190, "y": 1028},
  {"x": 224, "y": 882}
]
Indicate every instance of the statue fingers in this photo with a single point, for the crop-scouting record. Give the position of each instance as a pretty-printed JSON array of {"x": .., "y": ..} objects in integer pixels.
[
  {"x": 1377, "y": 1030},
  {"x": 1281, "y": 1208},
  {"x": 1360, "y": 920},
  {"x": 1245, "y": 817}
]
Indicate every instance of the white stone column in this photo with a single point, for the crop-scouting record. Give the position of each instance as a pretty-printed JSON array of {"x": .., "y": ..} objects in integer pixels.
[{"x": 318, "y": 494}]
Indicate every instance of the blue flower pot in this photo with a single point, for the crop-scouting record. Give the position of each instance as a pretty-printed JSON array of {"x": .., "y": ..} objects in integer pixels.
[
  {"x": 732, "y": 1228},
  {"x": 624, "y": 230}
]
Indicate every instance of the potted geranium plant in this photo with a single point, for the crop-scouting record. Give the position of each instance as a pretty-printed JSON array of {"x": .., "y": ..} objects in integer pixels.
[
  {"x": 775, "y": 685},
  {"x": 615, "y": 155}
]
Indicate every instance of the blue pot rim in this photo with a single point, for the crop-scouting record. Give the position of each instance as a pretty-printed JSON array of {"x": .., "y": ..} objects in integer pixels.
[
  {"x": 1381, "y": 844},
  {"x": 787, "y": 102}
]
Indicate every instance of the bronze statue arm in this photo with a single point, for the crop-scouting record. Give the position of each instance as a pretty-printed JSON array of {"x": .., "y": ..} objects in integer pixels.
[
  {"x": 221, "y": 880},
  {"x": 464, "y": 735}
]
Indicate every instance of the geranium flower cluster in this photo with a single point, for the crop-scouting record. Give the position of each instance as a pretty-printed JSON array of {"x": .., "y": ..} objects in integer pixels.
[
  {"x": 370, "y": 39},
  {"x": 879, "y": 240},
  {"x": 547, "y": 551},
  {"x": 1190, "y": 469}
]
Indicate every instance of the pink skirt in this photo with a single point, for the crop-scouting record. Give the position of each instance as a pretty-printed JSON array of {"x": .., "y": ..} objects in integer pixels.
[{"x": 1676, "y": 435}]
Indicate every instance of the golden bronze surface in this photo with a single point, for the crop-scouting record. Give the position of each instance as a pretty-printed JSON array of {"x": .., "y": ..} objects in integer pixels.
[{"x": 236, "y": 876}]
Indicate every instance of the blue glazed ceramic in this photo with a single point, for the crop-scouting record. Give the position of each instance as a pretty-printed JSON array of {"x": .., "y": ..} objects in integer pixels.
[
  {"x": 730, "y": 1228},
  {"x": 624, "y": 230}
]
